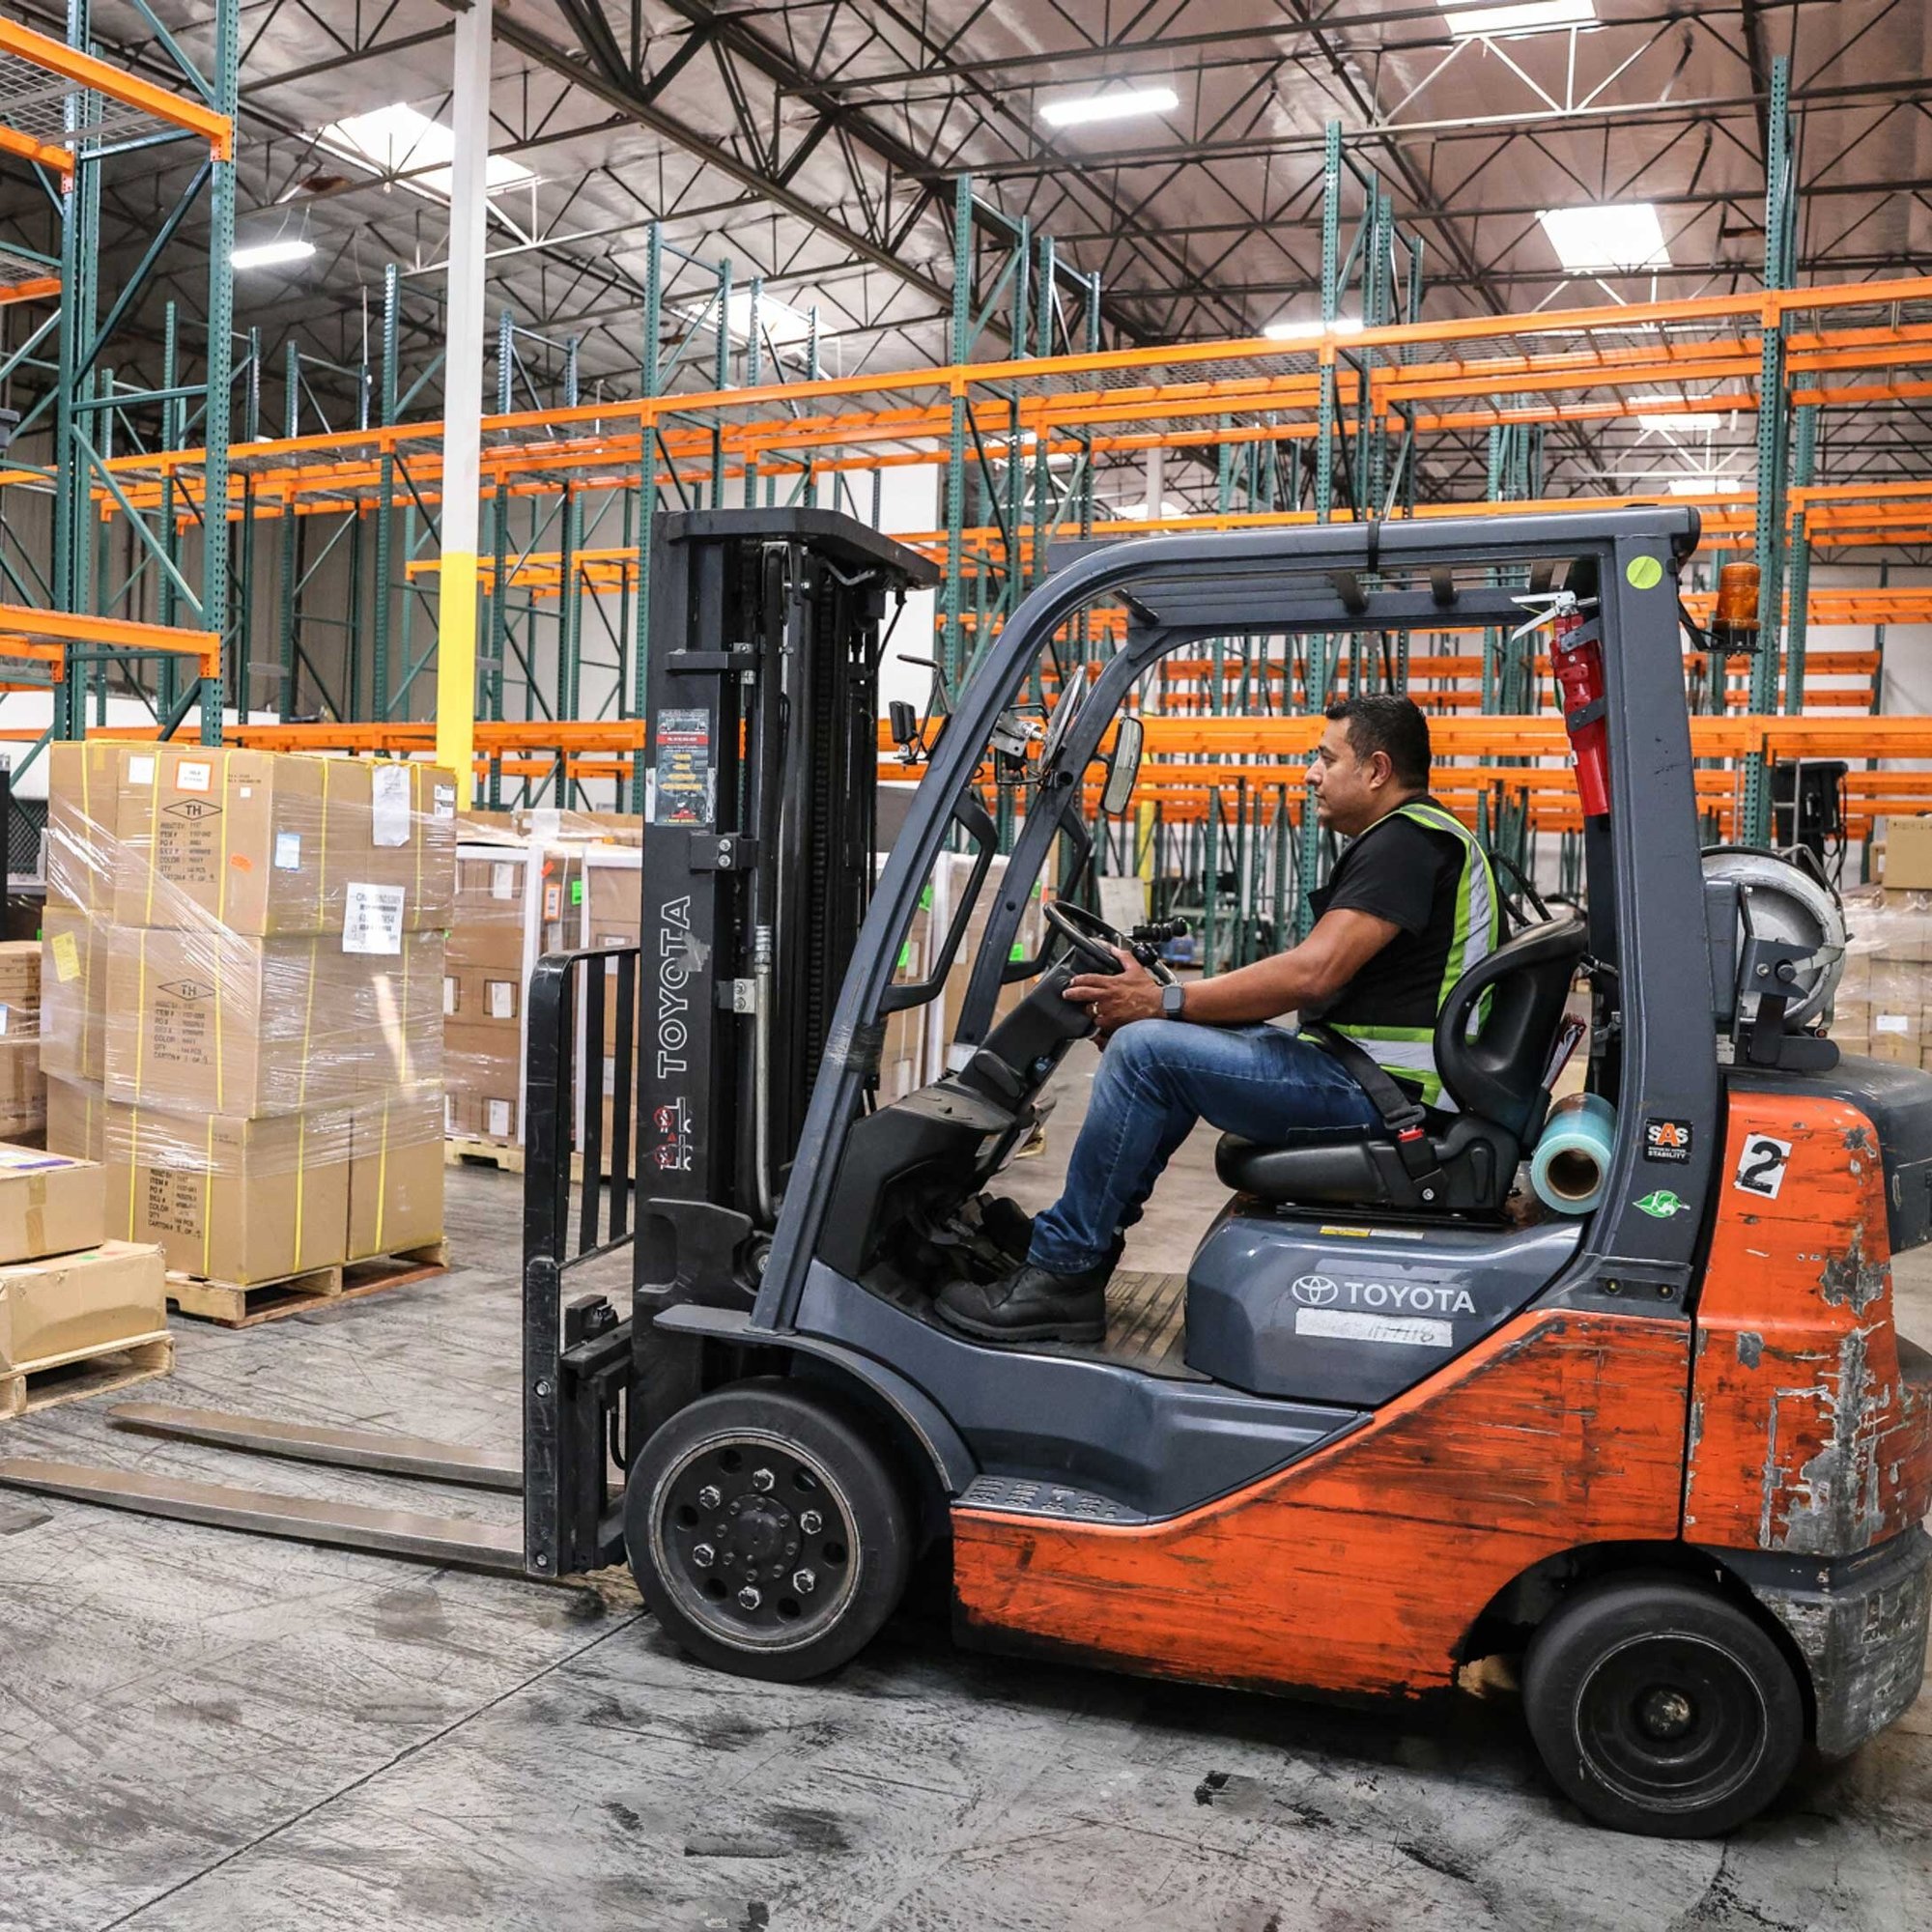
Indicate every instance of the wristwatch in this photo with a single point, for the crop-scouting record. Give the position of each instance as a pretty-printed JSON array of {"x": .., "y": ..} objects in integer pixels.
[{"x": 1172, "y": 999}]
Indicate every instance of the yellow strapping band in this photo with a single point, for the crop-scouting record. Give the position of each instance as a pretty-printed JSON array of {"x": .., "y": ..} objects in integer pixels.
[
  {"x": 221, "y": 923},
  {"x": 140, "y": 1012},
  {"x": 208, "y": 1200},
  {"x": 133, "y": 1162},
  {"x": 301, "y": 1096},
  {"x": 321, "y": 849},
  {"x": 154, "y": 842},
  {"x": 301, "y": 1180},
  {"x": 383, "y": 1175}
]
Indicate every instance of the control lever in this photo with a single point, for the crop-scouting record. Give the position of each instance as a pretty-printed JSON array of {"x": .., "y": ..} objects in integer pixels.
[{"x": 1146, "y": 940}]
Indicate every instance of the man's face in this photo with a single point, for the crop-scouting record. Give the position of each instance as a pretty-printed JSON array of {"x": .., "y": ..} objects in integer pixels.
[{"x": 1348, "y": 789}]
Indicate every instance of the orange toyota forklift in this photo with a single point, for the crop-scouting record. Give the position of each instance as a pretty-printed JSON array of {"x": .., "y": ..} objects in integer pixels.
[{"x": 1396, "y": 1416}]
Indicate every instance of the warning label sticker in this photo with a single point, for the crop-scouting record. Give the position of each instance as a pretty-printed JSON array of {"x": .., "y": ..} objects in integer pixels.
[{"x": 682, "y": 776}]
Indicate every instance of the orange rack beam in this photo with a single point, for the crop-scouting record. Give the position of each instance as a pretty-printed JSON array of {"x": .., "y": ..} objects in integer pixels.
[{"x": 93, "y": 75}]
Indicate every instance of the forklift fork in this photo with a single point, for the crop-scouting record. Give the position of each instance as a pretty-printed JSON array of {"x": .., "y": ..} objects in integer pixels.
[{"x": 577, "y": 1358}]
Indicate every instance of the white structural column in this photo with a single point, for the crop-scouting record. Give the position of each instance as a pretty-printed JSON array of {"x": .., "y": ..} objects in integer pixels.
[{"x": 462, "y": 407}]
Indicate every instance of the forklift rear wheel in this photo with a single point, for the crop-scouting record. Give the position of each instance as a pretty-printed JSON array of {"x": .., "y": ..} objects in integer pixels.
[
  {"x": 1660, "y": 1708},
  {"x": 766, "y": 1532}
]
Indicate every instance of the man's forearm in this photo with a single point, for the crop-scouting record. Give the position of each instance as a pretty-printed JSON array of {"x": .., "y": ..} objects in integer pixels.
[{"x": 1264, "y": 991}]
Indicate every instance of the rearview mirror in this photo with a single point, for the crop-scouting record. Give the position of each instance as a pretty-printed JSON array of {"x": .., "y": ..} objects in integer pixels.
[
  {"x": 904, "y": 725},
  {"x": 1123, "y": 764}
]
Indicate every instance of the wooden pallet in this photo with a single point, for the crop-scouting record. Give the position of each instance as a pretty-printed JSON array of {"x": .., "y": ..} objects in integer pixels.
[
  {"x": 117, "y": 1365},
  {"x": 236, "y": 1307},
  {"x": 459, "y": 1150},
  {"x": 462, "y": 1151}
]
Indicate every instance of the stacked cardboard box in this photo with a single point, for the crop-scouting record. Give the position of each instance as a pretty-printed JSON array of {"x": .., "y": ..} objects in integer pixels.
[
  {"x": 68, "y": 1293},
  {"x": 1883, "y": 1006},
  {"x": 515, "y": 900},
  {"x": 249, "y": 948},
  {"x": 23, "y": 1088}
]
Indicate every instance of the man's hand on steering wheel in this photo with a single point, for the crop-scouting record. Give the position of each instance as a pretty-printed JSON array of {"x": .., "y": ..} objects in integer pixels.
[{"x": 1116, "y": 999}]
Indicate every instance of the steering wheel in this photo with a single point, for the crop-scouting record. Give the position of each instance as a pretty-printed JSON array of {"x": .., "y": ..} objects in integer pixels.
[{"x": 1090, "y": 938}]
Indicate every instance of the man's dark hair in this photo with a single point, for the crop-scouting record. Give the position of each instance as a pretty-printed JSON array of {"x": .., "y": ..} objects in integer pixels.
[{"x": 1382, "y": 721}]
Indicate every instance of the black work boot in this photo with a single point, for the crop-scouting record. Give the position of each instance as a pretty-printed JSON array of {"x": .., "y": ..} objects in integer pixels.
[{"x": 1030, "y": 1305}]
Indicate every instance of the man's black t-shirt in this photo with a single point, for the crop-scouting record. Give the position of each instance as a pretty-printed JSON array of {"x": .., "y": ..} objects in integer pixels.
[{"x": 1407, "y": 874}]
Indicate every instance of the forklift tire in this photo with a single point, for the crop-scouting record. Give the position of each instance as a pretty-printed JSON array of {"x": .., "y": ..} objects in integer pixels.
[
  {"x": 1660, "y": 1708},
  {"x": 767, "y": 1533}
]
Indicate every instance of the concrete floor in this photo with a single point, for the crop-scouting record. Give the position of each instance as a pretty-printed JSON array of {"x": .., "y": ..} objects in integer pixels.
[{"x": 202, "y": 1730}]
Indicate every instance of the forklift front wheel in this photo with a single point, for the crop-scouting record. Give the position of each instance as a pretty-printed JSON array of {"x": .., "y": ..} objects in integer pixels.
[
  {"x": 766, "y": 1532},
  {"x": 1660, "y": 1708}
]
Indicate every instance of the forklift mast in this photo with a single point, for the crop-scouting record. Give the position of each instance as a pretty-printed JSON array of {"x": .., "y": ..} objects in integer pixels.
[{"x": 767, "y": 628}]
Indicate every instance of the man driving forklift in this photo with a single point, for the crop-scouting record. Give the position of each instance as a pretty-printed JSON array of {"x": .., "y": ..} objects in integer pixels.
[{"x": 1410, "y": 907}]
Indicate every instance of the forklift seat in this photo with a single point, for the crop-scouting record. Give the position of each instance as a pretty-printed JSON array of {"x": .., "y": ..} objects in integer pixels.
[{"x": 1491, "y": 1064}]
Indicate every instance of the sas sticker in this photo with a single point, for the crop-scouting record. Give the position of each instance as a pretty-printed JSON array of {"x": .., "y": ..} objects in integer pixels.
[
  {"x": 1644, "y": 573},
  {"x": 1761, "y": 1166},
  {"x": 1661, "y": 1205},
  {"x": 1666, "y": 1140}
]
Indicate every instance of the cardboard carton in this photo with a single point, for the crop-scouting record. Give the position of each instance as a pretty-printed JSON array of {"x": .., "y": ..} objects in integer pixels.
[
  {"x": 400, "y": 1030},
  {"x": 1908, "y": 854},
  {"x": 396, "y": 1172},
  {"x": 483, "y": 1071},
  {"x": 1896, "y": 1036},
  {"x": 72, "y": 1305},
  {"x": 76, "y": 1118},
  {"x": 50, "y": 1203},
  {"x": 487, "y": 925},
  {"x": 613, "y": 916},
  {"x": 82, "y": 802},
  {"x": 210, "y": 1022},
  {"x": 233, "y": 837},
  {"x": 483, "y": 996},
  {"x": 23, "y": 1088},
  {"x": 231, "y": 1200},
  {"x": 73, "y": 995},
  {"x": 19, "y": 988},
  {"x": 393, "y": 824}
]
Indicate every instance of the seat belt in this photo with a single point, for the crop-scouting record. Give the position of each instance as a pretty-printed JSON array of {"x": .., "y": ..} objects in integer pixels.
[{"x": 1403, "y": 1114}]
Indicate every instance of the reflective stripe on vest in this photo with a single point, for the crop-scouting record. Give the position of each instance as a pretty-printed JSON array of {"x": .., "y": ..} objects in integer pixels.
[{"x": 1411, "y": 1051}]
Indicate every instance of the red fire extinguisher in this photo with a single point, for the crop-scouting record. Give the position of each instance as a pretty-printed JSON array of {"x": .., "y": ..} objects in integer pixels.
[{"x": 1579, "y": 665}]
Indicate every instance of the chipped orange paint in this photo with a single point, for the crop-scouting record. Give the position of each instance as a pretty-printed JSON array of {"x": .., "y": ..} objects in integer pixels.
[
  {"x": 1360, "y": 1568},
  {"x": 1806, "y": 1436}
]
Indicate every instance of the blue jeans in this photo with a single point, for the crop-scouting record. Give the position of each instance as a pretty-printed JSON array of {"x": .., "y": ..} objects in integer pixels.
[{"x": 1158, "y": 1077}]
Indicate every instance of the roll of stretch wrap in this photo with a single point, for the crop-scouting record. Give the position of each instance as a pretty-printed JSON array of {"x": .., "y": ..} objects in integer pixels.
[{"x": 1573, "y": 1153}]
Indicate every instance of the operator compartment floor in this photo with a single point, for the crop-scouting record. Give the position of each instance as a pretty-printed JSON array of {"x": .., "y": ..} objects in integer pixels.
[{"x": 1146, "y": 1327}]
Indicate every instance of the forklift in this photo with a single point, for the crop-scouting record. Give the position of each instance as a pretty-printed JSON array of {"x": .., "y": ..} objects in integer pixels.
[{"x": 1670, "y": 1457}]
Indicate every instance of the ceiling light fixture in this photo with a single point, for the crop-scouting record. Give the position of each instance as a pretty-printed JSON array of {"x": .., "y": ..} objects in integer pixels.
[
  {"x": 398, "y": 140},
  {"x": 1523, "y": 16},
  {"x": 1083, "y": 110},
  {"x": 267, "y": 254},
  {"x": 1706, "y": 486},
  {"x": 1685, "y": 419},
  {"x": 780, "y": 325},
  {"x": 1292, "y": 330},
  {"x": 1624, "y": 235}
]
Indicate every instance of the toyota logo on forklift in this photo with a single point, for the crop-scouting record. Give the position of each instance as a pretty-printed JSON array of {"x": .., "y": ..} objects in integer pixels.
[{"x": 1315, "y": 1291}]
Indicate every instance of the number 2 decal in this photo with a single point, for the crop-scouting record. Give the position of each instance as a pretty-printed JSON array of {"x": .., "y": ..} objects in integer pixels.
[{"x": 1761, "y": 1166}]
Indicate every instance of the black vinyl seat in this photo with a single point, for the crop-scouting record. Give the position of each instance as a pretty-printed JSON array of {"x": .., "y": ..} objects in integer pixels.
[{"x": 1494, "y": 1076}]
